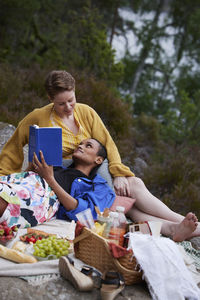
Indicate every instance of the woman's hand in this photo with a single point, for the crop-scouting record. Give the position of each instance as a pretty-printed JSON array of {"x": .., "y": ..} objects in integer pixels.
[
  {"x": 44, "y": 170},
  {"x": 121, "y": 186},
  {"x": 30, "y": 167}
]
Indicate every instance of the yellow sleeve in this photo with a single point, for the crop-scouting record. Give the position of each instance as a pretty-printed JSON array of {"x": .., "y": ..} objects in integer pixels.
[
  {"x": 12, "y": 156},
  {"x": 97, "y": 130}
]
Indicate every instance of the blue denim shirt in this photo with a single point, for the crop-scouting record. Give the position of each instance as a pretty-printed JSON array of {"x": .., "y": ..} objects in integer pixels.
[{"x": 89, "y": 193}]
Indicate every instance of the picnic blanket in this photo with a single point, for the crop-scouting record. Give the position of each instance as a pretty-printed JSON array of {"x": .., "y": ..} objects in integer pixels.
[
  {"x": 163, "y": 267},
  {"x": 43, "y": 271}
]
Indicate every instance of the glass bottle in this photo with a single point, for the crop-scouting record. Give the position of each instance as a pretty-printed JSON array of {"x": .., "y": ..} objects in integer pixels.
[
  {"x": 114, "y": 233},
  {"x": 122, "y": 223}
]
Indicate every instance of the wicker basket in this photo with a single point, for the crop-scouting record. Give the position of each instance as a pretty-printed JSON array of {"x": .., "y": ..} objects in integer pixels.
[{"x": 94, "y": 250}]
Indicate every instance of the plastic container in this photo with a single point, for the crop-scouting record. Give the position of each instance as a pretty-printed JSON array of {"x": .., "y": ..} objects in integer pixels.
[
  {"x": 114, "y": 233},
  {"x": 122, "y": 224},
  {"x": 6, "y": 240},
  {"x": 85, "y": 218},
  {"x": 107, "y": 221}
]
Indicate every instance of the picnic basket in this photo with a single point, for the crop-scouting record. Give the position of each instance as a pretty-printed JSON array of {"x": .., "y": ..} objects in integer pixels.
[{"x": 94, "y": 250}]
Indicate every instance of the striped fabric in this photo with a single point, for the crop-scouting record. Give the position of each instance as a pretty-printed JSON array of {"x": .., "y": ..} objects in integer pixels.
[{"x": 192, "y": 252}]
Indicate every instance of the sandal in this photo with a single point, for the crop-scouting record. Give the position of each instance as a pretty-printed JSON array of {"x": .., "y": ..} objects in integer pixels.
[
  {"x": 112, "y": 284},
  {"x": 94, "y": 274},
  {"x": 79, "y": 280}
]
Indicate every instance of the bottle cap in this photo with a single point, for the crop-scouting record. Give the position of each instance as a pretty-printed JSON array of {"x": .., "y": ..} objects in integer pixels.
[
  {"x": 120, "y": 208},
  {"x": 114, "y": 214},
  {"x": 103, "y": 219}
]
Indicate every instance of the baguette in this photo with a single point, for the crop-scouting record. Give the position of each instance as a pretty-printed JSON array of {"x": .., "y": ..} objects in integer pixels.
[{"x": 16, "y": 256}]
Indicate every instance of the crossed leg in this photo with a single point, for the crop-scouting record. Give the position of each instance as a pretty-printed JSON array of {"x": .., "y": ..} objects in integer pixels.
[
  {"x": 147, "y": 207},
  {"x": 178, "y": 231}
]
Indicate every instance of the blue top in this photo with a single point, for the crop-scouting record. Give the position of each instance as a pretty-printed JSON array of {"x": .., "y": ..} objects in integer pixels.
[{"x": 89, "y": 193}]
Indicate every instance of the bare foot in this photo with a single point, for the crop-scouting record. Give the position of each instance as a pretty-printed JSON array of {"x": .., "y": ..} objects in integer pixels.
[{"x": 184, "y": 230}]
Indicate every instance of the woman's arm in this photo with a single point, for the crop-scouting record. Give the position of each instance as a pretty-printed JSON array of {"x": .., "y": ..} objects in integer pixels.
[
  {"x": 12, "y": 155},
  {"x": 93, "y": 124},
  {"x": 46, "y": 172}
]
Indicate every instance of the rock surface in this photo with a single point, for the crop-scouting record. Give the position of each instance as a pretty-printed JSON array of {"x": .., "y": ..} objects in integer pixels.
[
  {"x": 6, "y": 131},
  {"x": 14, "y": 288},
  {"x": 196, "y": 242}
]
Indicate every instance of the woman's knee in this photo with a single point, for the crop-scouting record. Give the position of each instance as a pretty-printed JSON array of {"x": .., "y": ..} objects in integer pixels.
[{"x": 135, "y": 182}]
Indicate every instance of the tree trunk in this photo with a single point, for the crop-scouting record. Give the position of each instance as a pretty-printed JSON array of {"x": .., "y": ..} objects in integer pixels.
[
  {"x": 115, "y": 16},
  {"x": 145, "y": 50}
]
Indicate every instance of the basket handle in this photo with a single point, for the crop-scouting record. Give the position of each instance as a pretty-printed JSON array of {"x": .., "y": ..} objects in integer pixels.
[
  {"x": 86, "y": 233},
  {"x": 82, "y": 236}
]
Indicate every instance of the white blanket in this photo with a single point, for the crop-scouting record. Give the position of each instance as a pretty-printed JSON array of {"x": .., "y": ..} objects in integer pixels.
[
  {"x": 164, "y": 269},
  {"x": 59, "y": 227}
]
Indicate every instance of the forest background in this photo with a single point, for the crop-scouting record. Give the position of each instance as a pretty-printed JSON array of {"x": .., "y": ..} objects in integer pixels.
[{"x": 148, "y": 97}]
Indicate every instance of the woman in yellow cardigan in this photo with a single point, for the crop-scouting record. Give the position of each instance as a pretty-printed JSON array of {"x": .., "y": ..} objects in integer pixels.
[{"x": 78, "y": 122}]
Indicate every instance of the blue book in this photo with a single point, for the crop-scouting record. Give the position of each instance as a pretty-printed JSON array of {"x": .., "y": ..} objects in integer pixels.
[{"x": 47, "y": 139}]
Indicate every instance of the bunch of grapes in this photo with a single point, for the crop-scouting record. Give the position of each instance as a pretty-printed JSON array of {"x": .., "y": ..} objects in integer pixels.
[
  {"x": 7, "y": 233},
  {"x": 51, "y": 246}
]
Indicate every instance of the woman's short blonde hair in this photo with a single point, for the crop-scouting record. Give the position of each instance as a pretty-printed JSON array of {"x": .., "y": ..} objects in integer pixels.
[{"x": 57, "y": 82}]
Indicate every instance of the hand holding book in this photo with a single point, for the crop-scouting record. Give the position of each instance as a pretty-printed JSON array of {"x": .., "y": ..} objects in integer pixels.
[
  {"x": 44, "y": 170},
  {"x": 49, "y": 141}
]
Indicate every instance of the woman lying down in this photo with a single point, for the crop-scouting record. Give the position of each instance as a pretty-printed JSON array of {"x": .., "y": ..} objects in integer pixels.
[{"x": 36, "y": 196}]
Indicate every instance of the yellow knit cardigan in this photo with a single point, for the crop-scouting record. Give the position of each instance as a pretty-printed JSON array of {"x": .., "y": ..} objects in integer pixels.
[{"x": 11, "y": 157}]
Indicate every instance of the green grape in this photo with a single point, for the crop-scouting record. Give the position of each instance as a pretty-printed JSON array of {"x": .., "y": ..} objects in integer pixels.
[
  {"x": 35, "y": 253},
  {"x": 51, "y": 245}
]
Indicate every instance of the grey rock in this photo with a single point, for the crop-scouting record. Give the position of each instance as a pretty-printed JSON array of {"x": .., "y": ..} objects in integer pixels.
[
  {"x": 6, "y": 131},
  {"x": 139, "y": 166},
  {"x": 144, "y": 152},
  {"x": 12, "y": 288},
  {"x": 195, "y": 242}
]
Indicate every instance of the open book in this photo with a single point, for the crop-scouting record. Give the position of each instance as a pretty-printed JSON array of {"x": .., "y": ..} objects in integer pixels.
[{"x": 47, "y": 139}]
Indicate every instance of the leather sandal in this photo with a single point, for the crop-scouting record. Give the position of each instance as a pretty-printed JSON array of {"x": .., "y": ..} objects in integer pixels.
[
  {"x": 112, "y": 284},
  {"x": 79, "y": 280},
  {"x": 94, "y": 274}
]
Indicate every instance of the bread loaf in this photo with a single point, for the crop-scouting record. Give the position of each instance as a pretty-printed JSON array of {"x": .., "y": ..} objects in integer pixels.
[
  {"x": 16, "y": 256},
  {"x": 19, "y": 246}
]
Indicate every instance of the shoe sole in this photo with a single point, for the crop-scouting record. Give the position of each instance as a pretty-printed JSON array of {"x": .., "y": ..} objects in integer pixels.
[
  {"x": 79, "y": 280},
  {"x": 110, "y": 292}
]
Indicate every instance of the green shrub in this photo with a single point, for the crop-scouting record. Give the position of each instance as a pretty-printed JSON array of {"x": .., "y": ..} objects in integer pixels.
[
  {"x": 113, "y": 111},
  {"x": 147, "y": 129},
  {"x": 21, "y": 91},
  {"x": 176, "y": 180}
]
